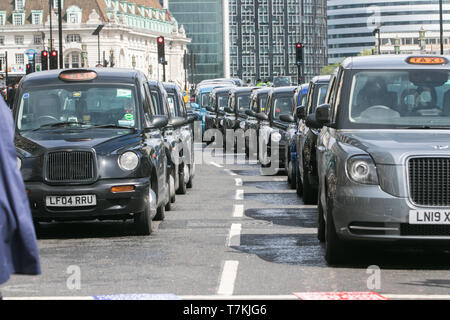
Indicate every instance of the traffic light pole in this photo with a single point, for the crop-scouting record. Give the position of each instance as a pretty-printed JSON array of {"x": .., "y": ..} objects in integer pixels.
[
  {"x": 61, "y": 54},
  {"x": 164, "y": 70}
]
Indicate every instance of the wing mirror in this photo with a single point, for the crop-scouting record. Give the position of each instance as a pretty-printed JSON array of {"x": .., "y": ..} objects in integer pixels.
[
  {"x": 262, "y": 116},
  {"x": 300, "y": 113},
  {"x": 191, "y": 119},
  {"x": 320, "y": 118},
  {"x": 250, "y": 113},
  {"x": 158, "y": 122},
  {"x": 287, "y": 118},
  {"x": 176, "y": 122},
  {"x": 228, "y": 110},
  {"x": 210, "y": 109}
]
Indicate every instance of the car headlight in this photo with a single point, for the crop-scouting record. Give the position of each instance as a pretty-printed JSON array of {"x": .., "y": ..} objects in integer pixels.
[
  {"x": 128, "y": 161},
  {"x": 19, "y": 163},
  {"x": 362, "y": 169}
]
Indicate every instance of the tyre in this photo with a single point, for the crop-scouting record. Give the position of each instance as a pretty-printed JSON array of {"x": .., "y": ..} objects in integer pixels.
[
  {"x": 143, "y": 221},
  {"x": 190, "y": 183},
  {"x": 182, "y": 182},
  {"x": 160, "y": 213},
  {"x": 320, "y": 221},
  {"x": 298, "y": 184},
  {"x": 335, "y": 249},
  {"x": 293, "y": 177},
  {"x": 309, "y": 191}
]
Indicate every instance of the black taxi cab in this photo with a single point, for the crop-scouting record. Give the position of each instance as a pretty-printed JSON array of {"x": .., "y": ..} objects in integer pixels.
[{"x": 89, "y": 146}]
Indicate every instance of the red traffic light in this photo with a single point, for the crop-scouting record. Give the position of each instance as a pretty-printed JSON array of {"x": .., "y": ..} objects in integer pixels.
[
  {"x": 160, "y": 39},
  {"x": 44, "y": 53},
  {"x": 299, "y": 45},
  {"x": 54, "y": 53}
]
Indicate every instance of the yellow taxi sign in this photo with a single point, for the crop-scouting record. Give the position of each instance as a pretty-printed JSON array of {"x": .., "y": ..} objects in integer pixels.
[
  {"x": 78, "y": 75},
  {"x": 427, "y": 60}
]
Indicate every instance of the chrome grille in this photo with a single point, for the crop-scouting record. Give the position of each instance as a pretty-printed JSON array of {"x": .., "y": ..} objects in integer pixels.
[
  {"x": 70, "y": 166},
  {"x": 429, "y": 181}
]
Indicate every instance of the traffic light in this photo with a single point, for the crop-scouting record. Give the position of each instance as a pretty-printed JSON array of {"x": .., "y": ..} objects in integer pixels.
[
  {"x": 30, "y": 68},
  {"x": 299, "y": 53},
  {"x": 44, "y": 60},
  {"x": 53, "y": 60},
  {"x": 161, "y": 50}
]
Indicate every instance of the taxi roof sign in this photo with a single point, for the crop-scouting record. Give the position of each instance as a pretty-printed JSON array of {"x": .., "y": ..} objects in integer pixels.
[
  {"x": 426, "y": 60},
  {"x": 78, "y": 75}
]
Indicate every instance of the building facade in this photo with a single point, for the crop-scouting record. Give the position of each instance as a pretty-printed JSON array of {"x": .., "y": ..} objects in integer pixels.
[
  {"x": 351, "y": 25},
  {"x": 203, "y": 21},
  {"x": 263, "y": 35},
  {"x": 128, "y": 38}
]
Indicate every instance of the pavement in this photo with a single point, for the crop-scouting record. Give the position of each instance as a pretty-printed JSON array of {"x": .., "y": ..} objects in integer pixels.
[{"x": 236, "y": 234}]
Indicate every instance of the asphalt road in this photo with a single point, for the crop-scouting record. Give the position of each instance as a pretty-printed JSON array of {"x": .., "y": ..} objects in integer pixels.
[{"x": 235, "y": 232}]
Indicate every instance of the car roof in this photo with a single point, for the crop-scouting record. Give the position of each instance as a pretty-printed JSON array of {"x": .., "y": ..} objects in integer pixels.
[
  {"x": 278, "y": 90},
  {"x": 321, "y": 79},
  {"x": 170, "y": 86},
  {"x": 381, "y": 62},
  {"x": 103, "y": 75},
  {"x": 221, "y": 90},
  {"x": 242, "y": 90}
]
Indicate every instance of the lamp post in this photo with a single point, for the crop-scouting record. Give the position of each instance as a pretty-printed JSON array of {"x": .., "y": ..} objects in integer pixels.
[
  {"x": 111, "y": 58},
  {"x": 97, "y": 33},
  {"x": 133, "y": 61},
  {"x": 441, "y": 27},
  {"x": 422, "y": 39},
  {"x": 84, "y": 55},
  {"x": 397, "y": 45},
  {"x": 378, "y": 32}
]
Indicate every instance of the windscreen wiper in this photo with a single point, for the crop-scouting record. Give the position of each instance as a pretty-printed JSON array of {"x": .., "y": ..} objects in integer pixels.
[
  {"x": 60, "y": 124},
  {"x": 112, "y": 126}
]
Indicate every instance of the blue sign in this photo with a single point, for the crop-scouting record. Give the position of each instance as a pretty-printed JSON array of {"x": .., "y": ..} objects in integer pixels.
[{"x": 31, "y": 53}]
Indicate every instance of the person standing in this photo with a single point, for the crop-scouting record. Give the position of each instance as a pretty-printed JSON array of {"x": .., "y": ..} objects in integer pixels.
[
  {"x": 11, "y": 94},
  {"x": 18, "y": 244}
]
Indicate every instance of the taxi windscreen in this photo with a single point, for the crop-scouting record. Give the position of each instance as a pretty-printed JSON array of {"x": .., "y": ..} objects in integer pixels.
[
  {"x": 282, "y": 105},
  {"x": 79, "y": 105},
  {"x": 399, "y": 99},
  {"x": 243, "y": 102}
]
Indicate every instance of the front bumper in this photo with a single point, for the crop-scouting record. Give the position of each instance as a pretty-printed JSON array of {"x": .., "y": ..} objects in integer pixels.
[
  {"x": 109, "y": 205},
  {"x": 363, "y": 212}
]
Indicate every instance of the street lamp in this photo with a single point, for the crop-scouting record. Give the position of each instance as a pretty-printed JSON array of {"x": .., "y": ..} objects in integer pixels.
[
  {"x": 377, "y": 31},
  {"x": 397, "y": 45},
  {"x": 97, "y": 33},
  {"x": 422, "y": 38}
]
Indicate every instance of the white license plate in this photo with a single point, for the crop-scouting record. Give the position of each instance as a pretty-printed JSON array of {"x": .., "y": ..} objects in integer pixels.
[
  {"x": 431, "y": 216},
  {"x": 71, "y": 201}
]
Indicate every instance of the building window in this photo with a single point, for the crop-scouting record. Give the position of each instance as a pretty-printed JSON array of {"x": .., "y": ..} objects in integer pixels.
[
  {"x": 72, "y": 60},
  {"x": 37, "y": 39},
  {"x": 73, "y": 38},
  {"x": 55, "y": 4},
  {"x": 37, "y": 18},
  {"x": 2, "y": 40},
  {"x": 18, "y": 39},
  {"x": 20, "y": 58},
  {"x": 18, "y": 19},
  {"x": 2, "y": 18},
  {"x": 20, "y": 5},
  {"x": 73, "y": 18}
]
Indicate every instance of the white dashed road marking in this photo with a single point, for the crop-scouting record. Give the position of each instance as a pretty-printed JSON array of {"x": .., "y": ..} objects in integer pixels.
[
  {"x": 229, "y": 274},
  {"x": 238, "y": 211}
]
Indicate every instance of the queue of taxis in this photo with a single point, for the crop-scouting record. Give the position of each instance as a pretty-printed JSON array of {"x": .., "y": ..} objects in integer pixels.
[
  {"x": 90, "y": 146},
  {"x": 383, "y": 154}
]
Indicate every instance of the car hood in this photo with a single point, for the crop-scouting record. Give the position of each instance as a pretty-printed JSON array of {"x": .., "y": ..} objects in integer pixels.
[
  {"x": 392, "y": 147},
  {"x": 35, "y": 143}
]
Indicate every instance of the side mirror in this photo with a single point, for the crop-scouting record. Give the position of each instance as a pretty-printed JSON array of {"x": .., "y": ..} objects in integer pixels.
[
  {"x": 300, "y": 112},
  {"x": 210, "y": 109},
  {"x": 323, "y": 114},
  {"x": 262, "y": 116},
  {"x": 287, "y": 118},
  {"x": 312, "y": 123},
  {"x": 228, "y": 110},
  {"x": 191, "y": 119},
  {"x": 250, "y": 113},
  {"x": 158, "y": 122},
  {"x": 194, "y": 105},
  {"x": 176, "y": 122}
]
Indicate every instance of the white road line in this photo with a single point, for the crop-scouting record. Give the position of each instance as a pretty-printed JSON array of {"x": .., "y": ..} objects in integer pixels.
[
  {"x": 238, "y": 211},
  {"x": 231, "y": 173},
  {"x": 229, "y": 274},
  {"x": 215, "y": 164},
  {"x": 239, "y": 194},
  {"x": 234, "y": 238},
  {"x": 238, "y": 182}
]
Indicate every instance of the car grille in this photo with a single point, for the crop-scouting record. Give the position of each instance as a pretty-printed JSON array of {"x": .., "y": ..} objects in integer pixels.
[
  {"x": 429, "y": 181},
  {"x": 424, "y": 230},
  {"x": 70, "y": 166}
]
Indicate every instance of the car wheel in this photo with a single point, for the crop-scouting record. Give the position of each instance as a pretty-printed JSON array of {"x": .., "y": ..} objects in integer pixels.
[
  {"x": 190, "y": 183},
  {"x": 298, "y": 184},
  {"x": 293, "y": 180},
  {"x": 335, "y": 248},
  {"x": 160, "y": 213},
  {"x": 182, "y": 182},
  {"x": 143, "y": 221},
  {"x": 320, "y": 220},
  {"x": 309, "y": 191}
]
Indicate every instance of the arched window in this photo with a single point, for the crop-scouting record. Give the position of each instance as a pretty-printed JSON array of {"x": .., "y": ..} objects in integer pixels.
[{"x": 72, "y": 60}]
